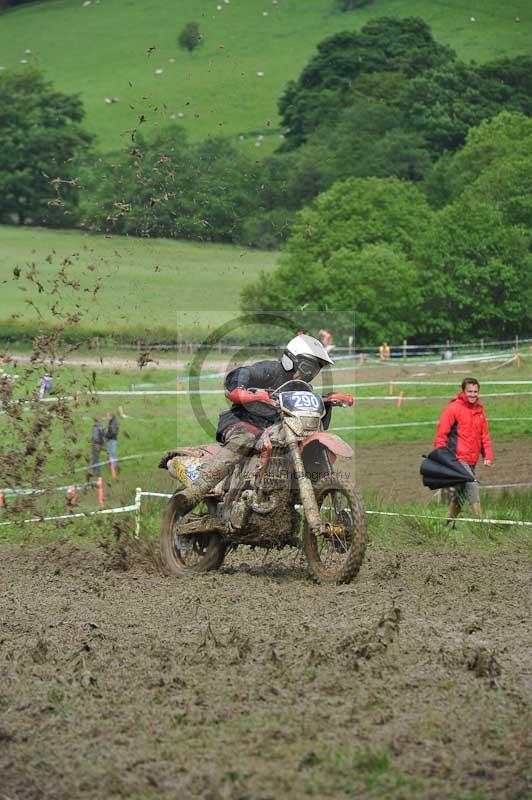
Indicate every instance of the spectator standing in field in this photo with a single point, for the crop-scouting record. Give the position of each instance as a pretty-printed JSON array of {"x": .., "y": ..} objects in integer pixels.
[
  {"x": 111, "y": 435},
  {"x": 97, "y": 442},
  {"x": 326, "y": 339},
  {"x": 384, "y": 351},
  {"x": 45, "y": 385},
  {"x": 463, "y": 429}
]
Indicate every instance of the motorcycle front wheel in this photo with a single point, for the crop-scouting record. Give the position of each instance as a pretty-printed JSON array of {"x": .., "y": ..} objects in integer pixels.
[
  {"x": 191, "y": 554},
  {"x": 336, "y": 551}
]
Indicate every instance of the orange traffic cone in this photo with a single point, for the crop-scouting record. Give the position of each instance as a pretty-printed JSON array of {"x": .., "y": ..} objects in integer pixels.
[
  {"x": 100, "y": 491},
  {"x": 400, "y": 399}
]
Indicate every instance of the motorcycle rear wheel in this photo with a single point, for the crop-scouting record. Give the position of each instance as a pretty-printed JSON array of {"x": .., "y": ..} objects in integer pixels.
[
  {"x": 192, "y": 554},
  {"x": 336, "y": 554}
]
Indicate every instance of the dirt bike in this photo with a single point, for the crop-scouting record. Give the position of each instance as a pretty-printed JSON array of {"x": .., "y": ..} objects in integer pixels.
[{"x": 287, "y": 483}]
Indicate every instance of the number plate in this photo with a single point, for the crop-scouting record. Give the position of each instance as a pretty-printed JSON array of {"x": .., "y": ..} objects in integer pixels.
[{"x": 306, "y": 403}]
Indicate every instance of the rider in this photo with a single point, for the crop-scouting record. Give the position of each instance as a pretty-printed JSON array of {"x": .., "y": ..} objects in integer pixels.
[{"x": 240, "y": 426}]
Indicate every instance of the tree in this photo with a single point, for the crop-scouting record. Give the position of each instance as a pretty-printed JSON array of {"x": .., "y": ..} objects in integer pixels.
[
  {"x": 489, "y": 145},
  {"x": 167, "y": 187},
  {"x": 4, "y": 4},
  {"x": 386, "y": 44},
  {"x": 40, "y": 145},
  {"x": 190, "y": 37},
  {"x": 342, "y": 257},
  {"x": 477, "y": 273},
  {"x": 516, "y": 74},
  {"x": 443, "y": 104},
  {"x": 368, "y": 141}
]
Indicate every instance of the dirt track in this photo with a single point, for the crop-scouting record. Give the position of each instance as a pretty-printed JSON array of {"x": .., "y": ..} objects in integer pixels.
[
  {"x": 393, "y": 470},
  {"x": 117, "y": 682}
]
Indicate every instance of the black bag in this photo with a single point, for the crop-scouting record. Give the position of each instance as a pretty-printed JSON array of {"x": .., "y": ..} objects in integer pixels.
[{"x": 441, "y": 469}]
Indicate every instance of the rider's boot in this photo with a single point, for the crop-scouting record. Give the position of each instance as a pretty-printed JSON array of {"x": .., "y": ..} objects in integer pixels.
[
  {"x": 209, "y": 475},
  {"x": 237, "y": 445}
]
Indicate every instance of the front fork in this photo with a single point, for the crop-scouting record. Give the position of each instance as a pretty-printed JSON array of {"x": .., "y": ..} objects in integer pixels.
[{"x": 306, "y": 489}]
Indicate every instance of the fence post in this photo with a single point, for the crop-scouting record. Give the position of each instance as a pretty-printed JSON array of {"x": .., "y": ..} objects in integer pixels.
[
  {"x": 404, "y": 348},
  {"x": 138, "y": 498}
]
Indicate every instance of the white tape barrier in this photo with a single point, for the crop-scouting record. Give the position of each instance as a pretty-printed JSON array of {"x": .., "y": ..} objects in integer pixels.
[
  {"x": 405, "y": 398},
  {"x": 398, "y": 382},
  {"x": 220, "y": 375},
  {"x": 140, "y": 494},
  {"x": 459, "y": 519},
  {"x": 506, "y": 485},
  {"x": 413, "y": 424},
  {"x": 136, "y": 508},
  {"x": 80, "y": 515},
  {"x": 220, "y": 392},
  {"x": 33, "y": 490}
]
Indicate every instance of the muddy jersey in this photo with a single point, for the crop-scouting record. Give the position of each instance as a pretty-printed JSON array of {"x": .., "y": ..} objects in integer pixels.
[{"x": 268, "y": 375}]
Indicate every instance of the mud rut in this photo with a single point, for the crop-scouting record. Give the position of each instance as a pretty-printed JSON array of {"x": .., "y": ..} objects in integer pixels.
[{"x": 117, "y": 682}]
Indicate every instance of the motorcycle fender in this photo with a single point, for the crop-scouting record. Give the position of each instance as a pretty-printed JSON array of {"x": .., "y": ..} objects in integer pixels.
[{"x": 331, "y": 442}]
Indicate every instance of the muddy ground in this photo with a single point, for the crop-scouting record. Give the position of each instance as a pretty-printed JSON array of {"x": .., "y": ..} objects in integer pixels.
[
  {"x": 253, "y": 683},
  {"x": 393, "y": 470}
]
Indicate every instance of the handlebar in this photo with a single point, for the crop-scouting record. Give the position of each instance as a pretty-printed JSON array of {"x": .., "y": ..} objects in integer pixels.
[
  {"x": 339, "y": 399},
  {"x": 242, "y": 396}
]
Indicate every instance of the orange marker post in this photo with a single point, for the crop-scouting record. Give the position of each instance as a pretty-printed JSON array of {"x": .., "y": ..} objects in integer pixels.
[
  {"x": 77, "y": 399},
  {"x": 400, "y": 399},
  {"x": 112, "y": 464},
  {"x": 2, "y": 500},
  {"x": 390, "y": 387},
  {"x": 100, "y": 491}
]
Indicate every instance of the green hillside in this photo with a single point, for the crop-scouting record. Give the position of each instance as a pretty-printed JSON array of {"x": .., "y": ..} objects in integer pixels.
[
  {"x": 113, "y": 49},
  {"x": 180, "y": 288}
]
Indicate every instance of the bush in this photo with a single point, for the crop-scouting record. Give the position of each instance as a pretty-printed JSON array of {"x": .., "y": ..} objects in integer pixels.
[
  {"x": 352, "y": 5},
  {"x": 190, "y": 37}
]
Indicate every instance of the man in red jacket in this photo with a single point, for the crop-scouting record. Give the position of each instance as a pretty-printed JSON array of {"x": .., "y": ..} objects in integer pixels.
[{"x": 463, "y": 428}]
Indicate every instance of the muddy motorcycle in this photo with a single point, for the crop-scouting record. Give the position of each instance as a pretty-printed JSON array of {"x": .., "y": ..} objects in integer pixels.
[{"x": 286, "y": 493}]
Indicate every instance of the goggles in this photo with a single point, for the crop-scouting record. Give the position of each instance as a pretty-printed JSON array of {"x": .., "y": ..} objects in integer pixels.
[{"x": 308, "y": 367}]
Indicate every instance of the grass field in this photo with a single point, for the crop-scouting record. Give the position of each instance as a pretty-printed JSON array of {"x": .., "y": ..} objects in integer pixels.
[
  {"x": 388, "y": 441},
  {"x": 146, "y": 284},
  {"x": 111, "y": 49}
]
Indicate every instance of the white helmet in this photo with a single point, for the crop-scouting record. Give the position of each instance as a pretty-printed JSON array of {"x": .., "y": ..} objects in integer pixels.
[{"x": 306, "y": 354}]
